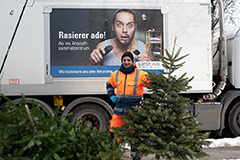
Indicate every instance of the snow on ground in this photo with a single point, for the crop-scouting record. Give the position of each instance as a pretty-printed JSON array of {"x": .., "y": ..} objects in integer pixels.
[
  {"x": 216, "y": 143},
  {"x": 224, "y": 142}
]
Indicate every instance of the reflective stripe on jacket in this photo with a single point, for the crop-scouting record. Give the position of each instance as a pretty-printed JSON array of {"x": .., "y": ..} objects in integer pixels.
[{"x": 129, "y": 88}]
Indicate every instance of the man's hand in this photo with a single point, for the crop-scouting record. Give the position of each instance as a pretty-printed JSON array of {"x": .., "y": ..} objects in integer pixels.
[
  {"x": 113, "y": 98},
  {"x": 143, "y": 57},
  {"x": 96, "y": 56}
]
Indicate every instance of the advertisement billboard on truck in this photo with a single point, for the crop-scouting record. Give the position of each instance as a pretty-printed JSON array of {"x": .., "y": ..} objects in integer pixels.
[{"x": 76, "y": 32}]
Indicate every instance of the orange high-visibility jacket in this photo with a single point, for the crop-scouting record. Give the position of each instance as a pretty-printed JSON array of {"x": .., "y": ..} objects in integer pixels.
[{"x": 128, "y": 88}]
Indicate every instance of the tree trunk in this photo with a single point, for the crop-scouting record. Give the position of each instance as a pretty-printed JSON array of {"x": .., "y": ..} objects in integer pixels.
[{"x": 157, "y": 157}]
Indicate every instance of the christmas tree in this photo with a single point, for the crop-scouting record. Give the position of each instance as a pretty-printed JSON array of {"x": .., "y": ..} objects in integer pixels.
[
  {"x": 28, "y": 133},
  {"x": 161, "y": 124}
]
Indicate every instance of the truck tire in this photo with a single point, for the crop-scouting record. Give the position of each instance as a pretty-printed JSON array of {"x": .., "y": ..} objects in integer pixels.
[
  {"x": 46, "y": 107},
  {"x": 234, "y": 119},
  {"x": 93, "y": 114}
]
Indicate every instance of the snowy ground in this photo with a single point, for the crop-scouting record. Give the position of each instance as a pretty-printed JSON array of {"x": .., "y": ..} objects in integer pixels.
[
  {"x": 219, "y": 149},
  {"x": 224, "y": 142},
  {"x": 217, "y": 143}
]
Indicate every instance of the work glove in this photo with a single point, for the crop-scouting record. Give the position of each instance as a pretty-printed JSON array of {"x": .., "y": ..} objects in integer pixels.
[{"x": 113, "y": 98}]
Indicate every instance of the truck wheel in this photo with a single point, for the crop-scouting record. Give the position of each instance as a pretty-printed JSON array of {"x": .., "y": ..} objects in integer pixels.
[
  {"x": 46, "y": 107},
  {"x": 93, "y": 114},
  {"x": 234, "y": 119}
]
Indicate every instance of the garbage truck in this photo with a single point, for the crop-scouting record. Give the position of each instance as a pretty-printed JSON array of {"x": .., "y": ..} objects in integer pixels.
[{"x": 46, "y": 47}]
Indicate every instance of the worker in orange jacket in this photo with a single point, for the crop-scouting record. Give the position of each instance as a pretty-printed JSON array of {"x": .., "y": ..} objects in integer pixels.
[{"x": 129, "y": 84}]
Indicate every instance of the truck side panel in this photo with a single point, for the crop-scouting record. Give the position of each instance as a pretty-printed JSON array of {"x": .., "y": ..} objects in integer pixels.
[{"x": 209, "y": 115}]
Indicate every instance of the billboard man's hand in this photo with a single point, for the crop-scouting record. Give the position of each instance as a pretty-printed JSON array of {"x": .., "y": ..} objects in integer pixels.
[
  {"x": 143, "y": 57},
  {"x": 96, "y": 56}
]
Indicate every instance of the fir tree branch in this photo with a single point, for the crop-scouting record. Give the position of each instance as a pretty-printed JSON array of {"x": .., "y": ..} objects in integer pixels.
[
  {"x": 2, "y": 95},
  {"x": 30, "y": 118}
]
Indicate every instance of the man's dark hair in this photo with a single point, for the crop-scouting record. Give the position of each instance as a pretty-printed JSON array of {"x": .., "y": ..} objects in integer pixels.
[{"x": 124, "y": 10}]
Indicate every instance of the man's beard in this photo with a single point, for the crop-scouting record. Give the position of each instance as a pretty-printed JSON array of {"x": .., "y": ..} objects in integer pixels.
[{"x": 130, "y": 40}]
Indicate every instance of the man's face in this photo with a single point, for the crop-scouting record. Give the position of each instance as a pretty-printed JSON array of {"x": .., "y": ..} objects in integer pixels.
[
  {"x": 124, "y": 27},
  {"x": 127, "y": 62}
]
